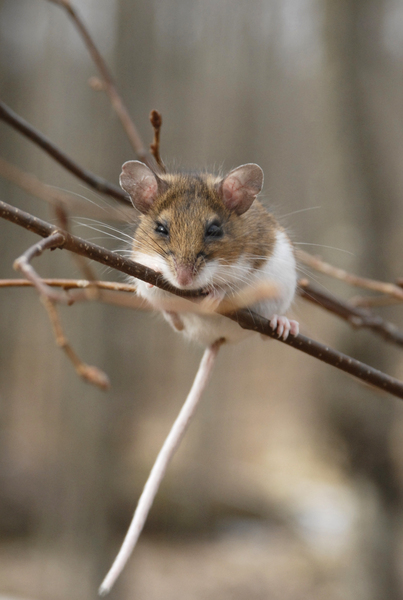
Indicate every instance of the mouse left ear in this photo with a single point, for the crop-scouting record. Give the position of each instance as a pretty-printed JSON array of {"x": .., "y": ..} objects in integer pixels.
[
  {"x": 141, "y": 184},
  {"x": 240, "y": 187}
]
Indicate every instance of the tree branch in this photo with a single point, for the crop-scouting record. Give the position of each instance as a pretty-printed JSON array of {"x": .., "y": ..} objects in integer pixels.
[
  {"x": 245, "y": 318},
  {"x": 357, "y": 317},
  {"x": 156, "y": 122},
  {"x": 369, "y": 284},
  {"x": 97, "y": 183},
  {"x": 109, "y": 85},
  {"x": 32, "y": 185},
  {"x": 49, "y": 297}
]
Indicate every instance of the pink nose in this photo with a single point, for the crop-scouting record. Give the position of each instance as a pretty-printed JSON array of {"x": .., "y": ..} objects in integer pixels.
[{"x": 184, "y": 274}]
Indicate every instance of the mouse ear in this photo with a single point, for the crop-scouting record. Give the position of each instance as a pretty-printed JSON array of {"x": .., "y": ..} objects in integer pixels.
[
  {"x": 240, "y": 187},
  {"x": 141, "y": 184}
]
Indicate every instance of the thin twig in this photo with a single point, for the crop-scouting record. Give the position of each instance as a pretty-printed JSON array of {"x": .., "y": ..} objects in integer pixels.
[
  {"x": 246, "y": 318},
  {"x": 156, "y": 122},
  {"x": 81, "y": 262},
  {"x": 71, "y": 284},
  {"x": 31, "y": 184},
  {"x": 55, "y": 240},
  {"x": 110, "y": 87},
  {"x": 93, "y": 251},
  {"x": 370, "y": 284},
  {"x": 99, "y": 184},
  {"x": 357, "y": 317},
  {"x": 49, "y": 297},
  {"x": 89, "y": 373},
  {"x": 345, "y": 310},
  {"x": 373, "y": 301},
  {"x": 164, "y": 457}
]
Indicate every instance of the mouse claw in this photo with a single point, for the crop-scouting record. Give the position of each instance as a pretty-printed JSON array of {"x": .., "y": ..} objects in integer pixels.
[{"x": 283, "y": 327}]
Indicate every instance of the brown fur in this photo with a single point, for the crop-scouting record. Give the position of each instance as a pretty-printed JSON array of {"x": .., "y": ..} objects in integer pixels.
[{"x": 187, "y": 204}]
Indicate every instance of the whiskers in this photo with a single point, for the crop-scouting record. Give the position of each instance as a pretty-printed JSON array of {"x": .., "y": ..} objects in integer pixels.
[
  {"x": 106, "y": 230},
  {"x": 101, "y": 207},
  {"x": 324, "y": 246}
]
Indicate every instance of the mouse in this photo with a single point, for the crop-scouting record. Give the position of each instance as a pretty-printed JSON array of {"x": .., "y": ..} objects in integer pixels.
[{"x": 210, "y": 235}]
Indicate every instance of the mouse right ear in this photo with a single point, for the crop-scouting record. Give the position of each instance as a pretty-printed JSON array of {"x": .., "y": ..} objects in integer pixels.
[
  {"x": 141, "y": 184},
  {"x": 240, "y": 187}
]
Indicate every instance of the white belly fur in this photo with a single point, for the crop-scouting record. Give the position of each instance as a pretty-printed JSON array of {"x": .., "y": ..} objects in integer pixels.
[{"x": 279, "y": 268}]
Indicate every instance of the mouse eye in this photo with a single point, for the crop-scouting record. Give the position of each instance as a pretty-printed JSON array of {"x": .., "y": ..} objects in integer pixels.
[
  {"x": 214, "y": 230},
  {"x": 161, "y": 229}
]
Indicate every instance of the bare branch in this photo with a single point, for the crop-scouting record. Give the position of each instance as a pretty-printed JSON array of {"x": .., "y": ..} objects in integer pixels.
[
  {"x": 357, "y": 317},
  {"x": 164, "y": 457},
  {"x": 369, "y": 284},
  {"x": 49, "y": 297},
  {"x": 97, "y": 183},
  {"x": 156, "y": 122},
  {"x": 71, "y": 284},
  {"x": 245, "y": 318},
  {"x": 373, "y": 301},
  {"x": 89, "y": 373},
  {"x": 110, "y": 87},
  {"x": 55, "y": 240},
  {"x": 345, "y": 310},
  {"x": 92, "y": 251},
  {"x": 31, "y": 184}
]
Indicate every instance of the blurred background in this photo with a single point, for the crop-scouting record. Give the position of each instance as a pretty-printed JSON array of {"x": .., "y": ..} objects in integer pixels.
[{"x": 289, "y": 483}]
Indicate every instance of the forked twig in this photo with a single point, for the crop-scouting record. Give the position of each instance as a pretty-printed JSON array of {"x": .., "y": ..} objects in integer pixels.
[
  {"x": 164, "y": 457},
  {"x": 49, "y": 297},
  {"x": 23, "y": 264}
]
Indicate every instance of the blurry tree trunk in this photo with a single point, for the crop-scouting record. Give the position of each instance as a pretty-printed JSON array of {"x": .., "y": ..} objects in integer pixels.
[{"x": 353, "y": 38}]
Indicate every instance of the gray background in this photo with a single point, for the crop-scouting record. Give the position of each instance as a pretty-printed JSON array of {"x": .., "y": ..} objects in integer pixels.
[{"x": 289, "y": 482}]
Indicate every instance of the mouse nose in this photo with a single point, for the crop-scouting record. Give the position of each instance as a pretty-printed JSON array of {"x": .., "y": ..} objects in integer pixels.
[{"x": 184, "y": 274}]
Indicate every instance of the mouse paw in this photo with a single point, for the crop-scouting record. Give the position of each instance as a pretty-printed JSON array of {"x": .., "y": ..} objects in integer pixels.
[
  {"x": 283, "y": 327},
  {"x": 174, "y": 320},
  {"x": 212, "y": 301}
]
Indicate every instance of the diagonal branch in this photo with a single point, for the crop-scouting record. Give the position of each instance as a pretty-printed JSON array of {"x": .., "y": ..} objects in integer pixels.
[
  {"x": 370, "y": 284},
  {"x": 245, "y": 318},
  {"x": 97, "y": 183},
  {"x": 357, "y": 317},
  {"x": 110, "y": 87},
  {"x": 32, "y": 185}
]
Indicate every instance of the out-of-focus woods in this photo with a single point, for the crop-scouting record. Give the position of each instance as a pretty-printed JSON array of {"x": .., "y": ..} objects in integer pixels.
[{"x": 290, "y": 481}]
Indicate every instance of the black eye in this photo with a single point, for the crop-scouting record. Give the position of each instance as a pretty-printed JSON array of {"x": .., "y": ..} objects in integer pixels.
[
  {"x": 161, "y": 229},
  {"x": 214, "y": 230}
]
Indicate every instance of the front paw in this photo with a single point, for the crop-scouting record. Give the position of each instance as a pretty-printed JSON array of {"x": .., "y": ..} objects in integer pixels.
[
  {"x": 174, "y": 319},
  {"x": 212, "y": 300},
  {"x": 283, "y": 327}
]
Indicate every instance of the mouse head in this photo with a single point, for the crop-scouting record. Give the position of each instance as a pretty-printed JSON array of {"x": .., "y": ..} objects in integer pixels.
[{"x": 190, "y": 221}]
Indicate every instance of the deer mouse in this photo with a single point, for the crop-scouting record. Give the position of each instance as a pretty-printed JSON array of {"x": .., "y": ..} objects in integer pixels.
[{"x": 210, "y": 233}]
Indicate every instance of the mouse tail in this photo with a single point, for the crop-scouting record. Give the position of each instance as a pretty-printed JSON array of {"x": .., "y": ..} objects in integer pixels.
[{"x": 164, "y": 457}]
